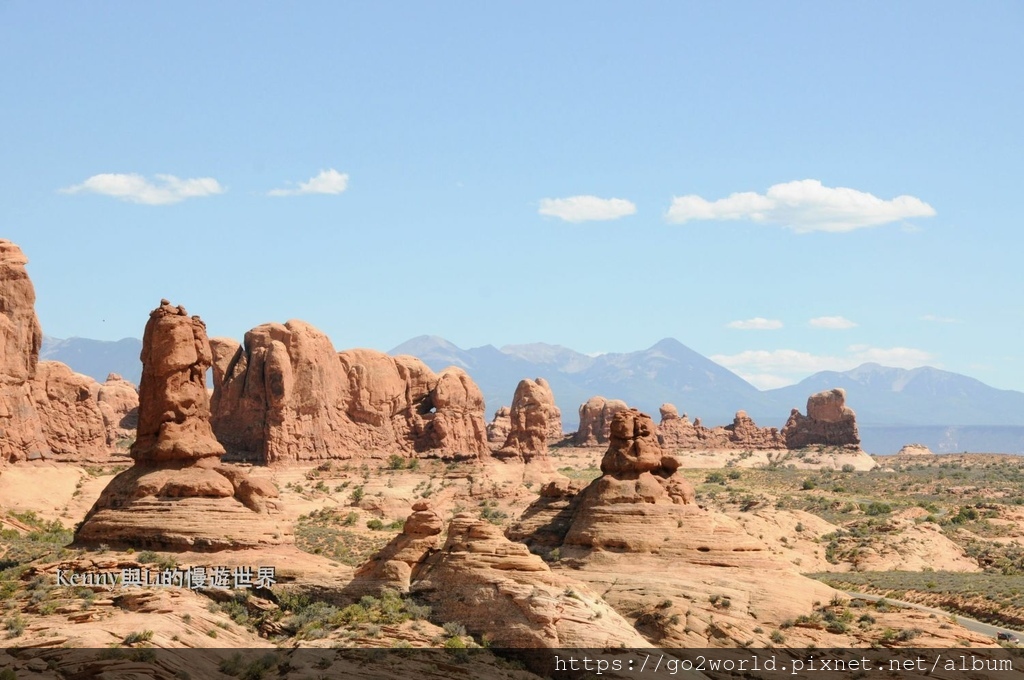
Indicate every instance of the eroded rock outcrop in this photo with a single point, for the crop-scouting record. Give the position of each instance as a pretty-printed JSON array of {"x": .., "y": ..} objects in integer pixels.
[
  {"x": 829, "y": 422},
  {"x": 688, "y": 576},
  {"x": 47, "y": 411},
  {"x": 678, "y": 433},
  {"x": 286, "y": 395},
  {"x": 119, "y": 404},
  {"x": 534, "y": 420},
  {"x": 395, "y": 565},
  {"x": 500, "y": 426},
  {"x": 177, "y": 495},
  {"x": 596, "y": 421},
  {"x": 20, "y": 339},
  {"x": 498, "y": 589}
]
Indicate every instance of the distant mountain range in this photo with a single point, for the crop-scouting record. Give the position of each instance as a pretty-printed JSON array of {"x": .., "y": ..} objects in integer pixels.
[
  {"x": 946, "y": 411},
  {"x": 96, "y": 358},
  {"x": 943, "y": 410}
]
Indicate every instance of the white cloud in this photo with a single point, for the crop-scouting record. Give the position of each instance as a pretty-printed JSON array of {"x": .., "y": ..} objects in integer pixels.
[
  {"x": 756, "y": 324},
  {"x": 137, "y": 189},
  {"x": 776, "y": 368},
  {"x": 938, "y": 319},
  {"x": 327, "y": 182},
  {"x": 586, "y": 208},
  {"x": 836, "y": 323},
  {"x": 803, "y": 206}
]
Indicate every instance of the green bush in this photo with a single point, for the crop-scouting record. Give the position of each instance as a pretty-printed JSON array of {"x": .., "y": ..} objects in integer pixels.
[{"x": 138, "y": 636}]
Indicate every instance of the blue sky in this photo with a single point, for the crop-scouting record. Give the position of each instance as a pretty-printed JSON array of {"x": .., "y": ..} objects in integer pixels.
[{"x": 785, "y": 188}]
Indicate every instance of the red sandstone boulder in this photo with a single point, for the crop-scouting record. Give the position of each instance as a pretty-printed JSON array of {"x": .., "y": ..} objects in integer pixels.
[
  {"x": 178, "y": 496},
  {"x": 500, "y": 426},
  {"x": 20, "y": 339},
  {"x": 286, "y": 395},
  {"x": 678, "y": 433},
  {"x": 534, "y": 420},
  {"x": 119, "y": 403},
  {"x": 69, "y": 412},
  {"x": 829, "y": 422},
  {"x": 595, "y": 421}
]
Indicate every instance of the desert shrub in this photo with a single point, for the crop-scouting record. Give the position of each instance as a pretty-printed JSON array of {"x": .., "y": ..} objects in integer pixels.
[
  {"x": 138, "y": 636},
  {"x": 454, "y": 629}
]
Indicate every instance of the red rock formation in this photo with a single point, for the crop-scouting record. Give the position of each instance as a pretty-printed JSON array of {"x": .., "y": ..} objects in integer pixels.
[
  {"x": 119, "y": 404},
  {"x": 596, "y": 420},
  {"x": 678, "y": 433},
  {"x": 534, "y": 420},
  {"x": 20, "y": 339},
  {"x": 286, "y": 395},
  {"x": 67, "y": 404},
  {"x": 178, "y": 496},
  {"x": 636, "y": 535},
  {"x": 829, "y": 422},
  {"x": 498, "y": 429},
  {"x": 498, "y": 589},
  {"x": 47, "y": 411},
  {"x": 394, "y": 566}
]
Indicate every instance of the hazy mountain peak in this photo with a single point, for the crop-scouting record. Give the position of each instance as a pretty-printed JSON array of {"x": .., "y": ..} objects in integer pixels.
[{"x": 423, "y": 343}]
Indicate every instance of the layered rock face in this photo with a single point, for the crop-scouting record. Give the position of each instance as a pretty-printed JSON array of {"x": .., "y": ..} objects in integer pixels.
[
  {"x": 829, "y": 422},
  {"x": 499, "y": 589},
  {"x": 47, "y": 411},
  {"x": 500, "y": 426},
  {"x": 393, "y": 567},
  {"x": 286, "y": 395},
  {"x": 636, "y": 535},
  {"x": 119, "y": 403},
  {"x": 178, "y": 496},
  {"x": 21, "y": 435},
  {"x": 677, "y": 432},
  {"x": 534, "y": 420},
  {"x": 596, "y": 421}
]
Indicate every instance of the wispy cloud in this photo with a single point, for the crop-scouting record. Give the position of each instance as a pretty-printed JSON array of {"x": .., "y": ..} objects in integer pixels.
[
  {"x": 938, "y": 319},
  {"x": 327, "y": 182},
  {"x": 166, "y": 189},
  {"x": 756, "y": 324},
  {"x": 836, "y": 323},
  {"x": 803, "y": 206},
  {"x": 767, "y": 369},
  {"x": 586, "y": 208}
]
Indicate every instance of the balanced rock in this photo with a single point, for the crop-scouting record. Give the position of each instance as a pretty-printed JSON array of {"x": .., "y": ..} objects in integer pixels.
[
  {"x": 177, "y": 495},
  {"x": 286, "y": 395},
  {"x": 596, "y": 421},
  {"x": 500, "y": 426},
  {"x": 829, "y": 422},
  {"x": 534, "y": 420}
]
